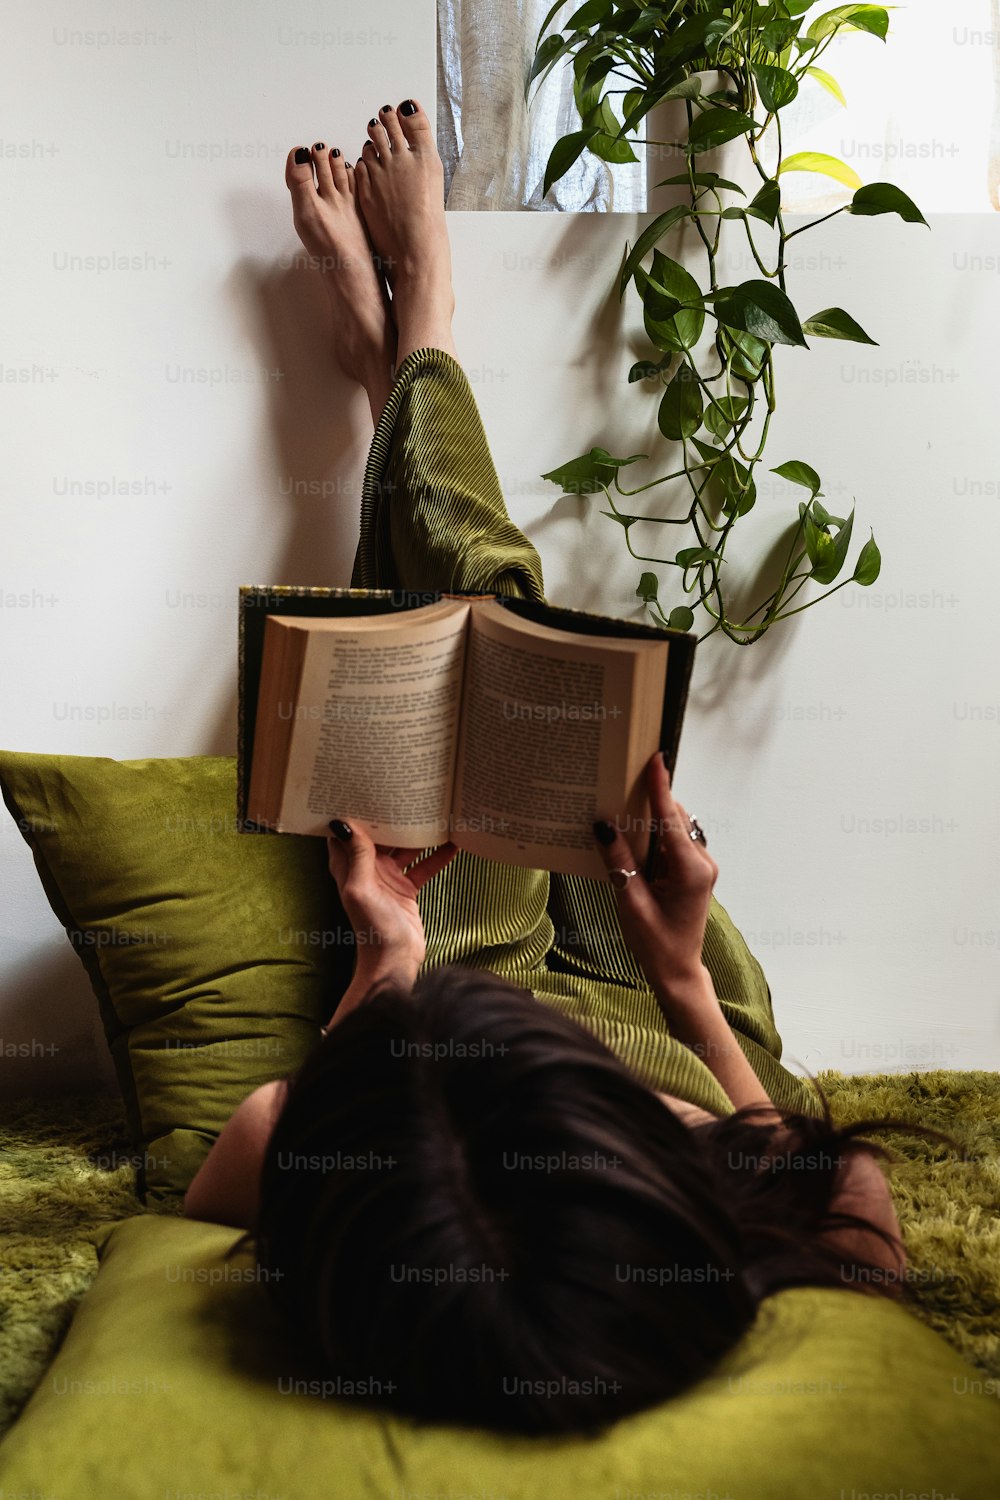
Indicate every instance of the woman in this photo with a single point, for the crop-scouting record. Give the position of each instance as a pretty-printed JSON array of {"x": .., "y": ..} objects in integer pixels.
[{"x": 545, "y": 1163}]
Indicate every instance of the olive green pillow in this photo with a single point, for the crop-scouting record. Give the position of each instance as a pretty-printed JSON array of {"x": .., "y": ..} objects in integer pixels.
[
  {"x": 176, "y": 1378},
  {"x": 215, "y": 955}
]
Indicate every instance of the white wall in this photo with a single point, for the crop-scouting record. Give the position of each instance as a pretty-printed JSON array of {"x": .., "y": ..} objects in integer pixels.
[{"x": 803, "y": 756}]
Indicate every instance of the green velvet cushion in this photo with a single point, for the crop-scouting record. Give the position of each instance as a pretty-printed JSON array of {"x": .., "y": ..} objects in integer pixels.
[
  {"x": 215, "y": 956},
  {"x": 176, "y": 1379}
]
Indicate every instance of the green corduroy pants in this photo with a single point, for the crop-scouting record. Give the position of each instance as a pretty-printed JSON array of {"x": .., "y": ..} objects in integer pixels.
[{"x": 433, "y": 516}]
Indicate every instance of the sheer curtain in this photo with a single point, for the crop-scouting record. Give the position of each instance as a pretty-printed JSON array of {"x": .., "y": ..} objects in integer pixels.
[{"x": 494, "y": 148}]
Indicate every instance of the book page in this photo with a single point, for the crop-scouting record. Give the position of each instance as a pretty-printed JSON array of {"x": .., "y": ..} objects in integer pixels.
[
  {"x": 557, "y": 729},
  {"x": 376, "y": 726}
]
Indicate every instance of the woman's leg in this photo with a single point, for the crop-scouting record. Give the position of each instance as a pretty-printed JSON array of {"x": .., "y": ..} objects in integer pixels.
[{"x": 433, "y": 515}]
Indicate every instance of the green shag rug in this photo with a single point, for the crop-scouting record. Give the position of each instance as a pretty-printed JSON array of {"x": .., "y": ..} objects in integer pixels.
[{"x": 66, "y": 1168}]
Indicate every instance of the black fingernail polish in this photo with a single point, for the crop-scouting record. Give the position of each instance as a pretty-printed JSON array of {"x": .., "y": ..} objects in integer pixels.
[
  {"x": 604, "y": 832},
  {"x": 408, "y": 107},
  {"x": 340, "y": 830},
  {"x": 387, "y": 109},
  {"x": 302, "y": 155},
  {"x": 335, "y": 151},
  {"x": 372, "y": 121},
  {"x": 319, "y": 146}
]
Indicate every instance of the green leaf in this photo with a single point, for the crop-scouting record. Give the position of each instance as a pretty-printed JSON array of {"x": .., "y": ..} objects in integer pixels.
[
  {"x": 701, "y": 179},
  {"x": 688, "y": 556},
  {"x": 823, "y": 516},
  {"x": 834, "y": 323},
  {"x": 606, "y": 143},
  {"x": 624, "y": 521},
  {"x": 649, "y": 98},
  {"x": 593, "y": 13},
  {"x": 748, "y": 354},
  {"x": 818, "y": 161},
  {"x": 589, "y": 473},
  {"x": 799, "y": 473},
  {"x": 660, "y": 226},
  {"x": 819, "y": 544},
  {"x": 760, "y": 308},
  {"x": 776, "y": 35},
  {"x": 657, "y": 302},
  {"x": 645, "y": 369},
  {"x": 797, "y": 7},
  {"x": 725, "y": 414},
  {"x": 552, "y": 47},
  {"x": 648, "y": 587},
  {"x": 688, "y": 88},
  {"x": 885, "y": 198},
  {"x": 776, "y": 86},
  {"x": 680, "y": 410},
  {"x": 682, "y": 329},
  {"x": 708, "y": 451},
  {"x": 869, "y": 563},
  {"x": 829, "y": 83},
  {"x": 831, "y": 550},
  {"x": 564, "y": 153},
  {"x": 873, "y": 18},
  {"x": 766, "y": 203},
  {"x": 680, "y": 618},
  {"x": 716, "y": 126},
  {"x": 631, "y": 101}
]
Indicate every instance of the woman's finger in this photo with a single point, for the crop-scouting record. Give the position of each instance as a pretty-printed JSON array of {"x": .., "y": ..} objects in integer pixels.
[
  {"x": 425, "y": 869},
  {"x": 668, "y": 816},
  {"x": 400, "y": 857},
  {"x": 352, "y": 851},
  {"x": 671, "y": 818},
  {"x": 634, "y": 895}
]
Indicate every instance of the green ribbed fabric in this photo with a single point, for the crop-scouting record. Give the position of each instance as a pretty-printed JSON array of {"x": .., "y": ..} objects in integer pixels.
[{"x": 433, "y": 516}]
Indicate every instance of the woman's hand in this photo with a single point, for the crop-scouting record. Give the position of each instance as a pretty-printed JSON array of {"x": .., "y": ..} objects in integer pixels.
[
  {"x": 378, "y": 890},
  {"x": 663, "y": 921}
]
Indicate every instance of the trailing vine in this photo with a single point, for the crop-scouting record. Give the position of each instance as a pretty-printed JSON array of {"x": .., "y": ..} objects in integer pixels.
[{"x": 713, "y": 345}]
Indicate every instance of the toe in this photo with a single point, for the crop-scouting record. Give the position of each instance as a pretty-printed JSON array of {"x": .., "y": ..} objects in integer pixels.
[
  {"x": 392, "y": 127},
  {"x": 299, "y": 175},
  {"x": 378, "y": 137},
  {"x": 324, "y": 174},
  {"x": 369, "y": 155},
  {"x": 415, "y": 125},
  {"x": 338, "y": 171}
]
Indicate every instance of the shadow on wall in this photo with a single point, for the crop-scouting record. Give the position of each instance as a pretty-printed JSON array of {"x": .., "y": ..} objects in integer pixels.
[
  {"x": 318, "y": 430},
  {"x": 46, "y": 997}
]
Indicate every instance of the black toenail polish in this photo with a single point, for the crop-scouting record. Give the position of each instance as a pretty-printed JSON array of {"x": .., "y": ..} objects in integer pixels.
[
  {"x": 319, "y": 146},
  {"x": 335, "y": 152},
  {"x": 372, "y": 120},
  {"x": 387, "y": 109},
  {"x": 302, "y": 155},
  {"x": 408, "y": 108}
]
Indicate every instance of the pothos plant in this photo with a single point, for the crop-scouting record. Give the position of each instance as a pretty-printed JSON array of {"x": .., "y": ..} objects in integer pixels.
[{"x": 735, "y": 65}]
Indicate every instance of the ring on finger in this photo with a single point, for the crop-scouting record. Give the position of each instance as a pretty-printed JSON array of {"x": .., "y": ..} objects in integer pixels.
[
  {"x": 696, "y": 831},
  {"x": 620, "y": 878}
]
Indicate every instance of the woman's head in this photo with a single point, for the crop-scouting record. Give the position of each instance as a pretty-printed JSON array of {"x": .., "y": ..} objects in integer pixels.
[
  {"x": 474, "y": 1204},
  {"x": 479, "y": 1215}
]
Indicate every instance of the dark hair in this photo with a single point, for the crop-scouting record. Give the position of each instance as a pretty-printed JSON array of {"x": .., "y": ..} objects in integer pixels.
[{"x": 479, "y": 1215}]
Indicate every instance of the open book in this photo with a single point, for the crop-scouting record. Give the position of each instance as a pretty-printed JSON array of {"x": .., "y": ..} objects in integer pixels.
[{"x": 502, "y": 726}]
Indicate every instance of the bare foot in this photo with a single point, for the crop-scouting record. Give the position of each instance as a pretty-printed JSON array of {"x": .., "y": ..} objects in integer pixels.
[
  {"x": 400, "y": 190},
  {"x": 327, "y": 221}
]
